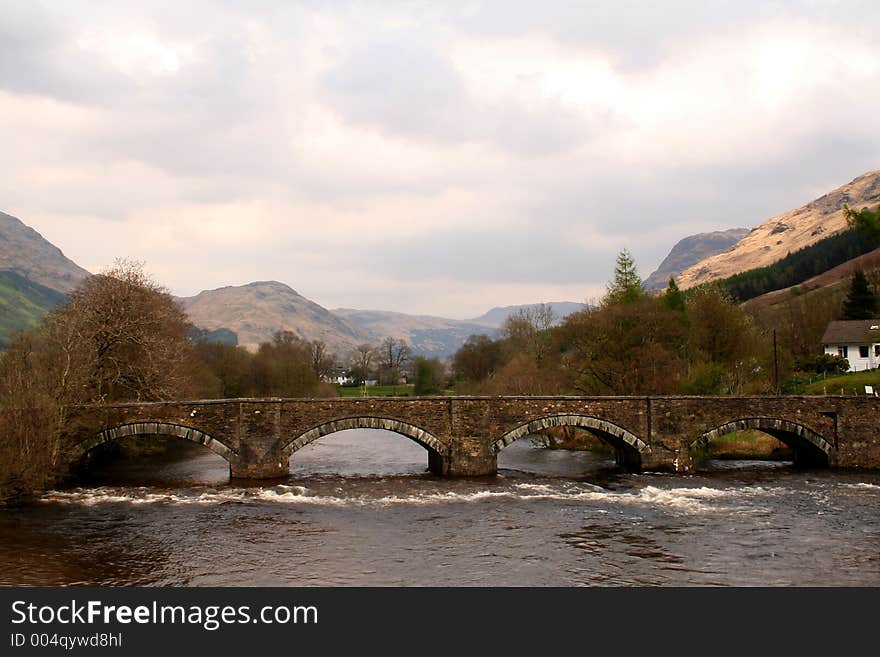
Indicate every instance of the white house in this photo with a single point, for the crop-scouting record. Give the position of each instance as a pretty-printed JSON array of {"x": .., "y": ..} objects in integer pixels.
[{"x": 857, "y": 340}]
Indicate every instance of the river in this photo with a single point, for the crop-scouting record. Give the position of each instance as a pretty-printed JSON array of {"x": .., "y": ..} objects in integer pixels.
[{"x": 359, "y": 508}]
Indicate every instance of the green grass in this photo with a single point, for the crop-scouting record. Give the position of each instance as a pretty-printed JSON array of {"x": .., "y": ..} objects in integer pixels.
[
  {"x": 852, "y": 384},
  {"x": 23, "y": 304},
  {"x": 377, "y": 391},
  {"x": 746, "y": 445}
]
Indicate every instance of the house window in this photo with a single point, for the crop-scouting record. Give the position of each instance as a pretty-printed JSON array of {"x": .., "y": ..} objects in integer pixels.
[
  {"x": 877, "y": 351},
  {"x": 863, "y": 351},
  {"x": 843, "y": 352}
]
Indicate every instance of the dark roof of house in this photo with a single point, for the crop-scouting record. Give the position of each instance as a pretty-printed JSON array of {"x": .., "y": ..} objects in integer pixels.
[{"x": 852, "y": 330}]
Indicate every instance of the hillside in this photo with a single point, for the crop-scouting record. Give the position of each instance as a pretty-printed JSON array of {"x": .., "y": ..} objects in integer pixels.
[
  {"x": 23, "y": 304},
  {"x": 797, "y": 267},
  {"x": 24, "y": 252},
  {"x": 498, "y": 315},
  {"x": 254, "y": 312},
  {"x": 787, "y": 232},
  {"x": 429, "y": 336},
  {"x": 833, "y": 280},
  {"x": 690, "y": 251}
]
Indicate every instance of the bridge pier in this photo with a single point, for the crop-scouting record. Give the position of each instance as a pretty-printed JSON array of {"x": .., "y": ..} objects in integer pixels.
[
  {"x": 660, "y": 459},
  {"x": 466, "y": 457},
  {"x": 265, "y": 469}
]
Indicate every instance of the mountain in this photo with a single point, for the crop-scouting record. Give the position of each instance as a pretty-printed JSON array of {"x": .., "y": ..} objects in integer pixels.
[
  {"x": 690, "y": 251},
  {"x": 497, "y": 316},
  {"x": 439, "y": 337},
  {"x": 787, "y": 232},
  {"x": 24, "y": 252},
  {"x": 23, "y": 304},
  {"x": 834, "y": 280},
  {"x": 434, "y": 337},
  {"x": 34, "y": 277},
  {"x": 254, "y": 312}
]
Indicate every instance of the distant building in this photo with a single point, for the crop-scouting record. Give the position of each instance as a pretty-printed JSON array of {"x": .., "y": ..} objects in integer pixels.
[
  {"x": 340, "y": 377},
  {"x": 857, "y": 340}
]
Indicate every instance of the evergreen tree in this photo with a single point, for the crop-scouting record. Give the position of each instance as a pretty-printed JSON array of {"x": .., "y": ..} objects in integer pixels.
[
  {"x": 673, "y": 298},
  {"x": 627, "y": 285},
  {"x": 861, "y": 301}
]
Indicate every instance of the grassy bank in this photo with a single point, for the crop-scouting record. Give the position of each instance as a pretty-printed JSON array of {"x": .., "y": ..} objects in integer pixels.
[
  {"x": 747, "y": 445},
  {"x": 736, "y": 445},
  {"x": 377, "y": 391},
  {"x": 850, "y": 384}
]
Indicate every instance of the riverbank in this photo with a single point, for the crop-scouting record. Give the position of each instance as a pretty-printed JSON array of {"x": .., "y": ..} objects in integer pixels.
[{"x": 751, "y": 445}]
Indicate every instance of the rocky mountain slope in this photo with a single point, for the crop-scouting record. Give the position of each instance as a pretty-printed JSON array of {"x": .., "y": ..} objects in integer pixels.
[
  {"x": 690, "y": 251},
  {"x": 787, "y": 232},
  {"x": 254, "y": 312},
  {"x": 24, "y": 252}
]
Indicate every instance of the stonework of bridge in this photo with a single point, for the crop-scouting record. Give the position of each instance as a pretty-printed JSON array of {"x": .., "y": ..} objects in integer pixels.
[{"x": 463, "y": 435}]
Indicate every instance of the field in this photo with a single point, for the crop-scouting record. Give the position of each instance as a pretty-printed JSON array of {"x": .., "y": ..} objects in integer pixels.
[{"x": 847, "y": 384}]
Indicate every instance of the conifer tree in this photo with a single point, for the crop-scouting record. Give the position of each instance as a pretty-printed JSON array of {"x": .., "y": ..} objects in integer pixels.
[
  {"x": 673, "y": 298},
  {"x": 627, "y": 285},
  {"x": 860, "y": 301}
]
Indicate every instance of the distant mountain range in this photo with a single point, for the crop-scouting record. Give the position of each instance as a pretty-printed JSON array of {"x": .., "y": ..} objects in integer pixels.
[
  {"x": 438, "y": 336},
  {"x": 254, "y": 312},
  {"x": 497, "y": 316},
  {"x": 35, "y": 276}
]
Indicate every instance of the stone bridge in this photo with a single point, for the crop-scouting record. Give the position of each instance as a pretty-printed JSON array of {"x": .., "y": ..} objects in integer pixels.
[{"x": 463, "y": 435}]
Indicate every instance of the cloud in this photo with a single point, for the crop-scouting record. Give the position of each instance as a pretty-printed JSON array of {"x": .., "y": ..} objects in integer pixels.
[
  {"x": 423, "y": 157},
  {"x": 416, "y": 90}
]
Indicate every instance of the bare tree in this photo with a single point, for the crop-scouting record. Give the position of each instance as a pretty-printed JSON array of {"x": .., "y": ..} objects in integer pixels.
[
  {"x": 528, "y": 330},
  {"x": 361, "y": 362},
  {"x": 393, "y": 355},
  {"x": 323, "y": 362},
  {"x": 120, "y": 336}
]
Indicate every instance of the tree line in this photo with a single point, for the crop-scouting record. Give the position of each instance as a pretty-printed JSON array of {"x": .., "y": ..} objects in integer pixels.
[
  {"x": 631, "y": 343},
  {"x": 634, "y": 343}
]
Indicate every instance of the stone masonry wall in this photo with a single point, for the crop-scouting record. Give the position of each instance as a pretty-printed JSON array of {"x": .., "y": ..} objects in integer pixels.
[{"x": 260, "y": 433}]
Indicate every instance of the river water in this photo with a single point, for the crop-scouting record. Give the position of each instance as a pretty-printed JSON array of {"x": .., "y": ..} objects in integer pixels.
[{"x": 359, "y": 508}]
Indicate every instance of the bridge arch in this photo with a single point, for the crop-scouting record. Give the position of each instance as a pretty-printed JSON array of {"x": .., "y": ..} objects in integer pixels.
[
  {"x": 628, "y": 447},
  {"x": 157, "y": 429},
  {"x": 809, "y": 447},
  {"x": 424, "y": 438}
]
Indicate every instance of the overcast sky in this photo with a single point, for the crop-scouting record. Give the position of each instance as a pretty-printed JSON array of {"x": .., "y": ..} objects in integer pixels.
[{"x": 425, "y": 157}]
